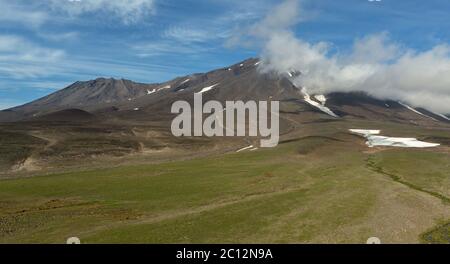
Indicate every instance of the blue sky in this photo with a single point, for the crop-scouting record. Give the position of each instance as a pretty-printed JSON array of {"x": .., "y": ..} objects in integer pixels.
[{"x": 46, "y": 45}]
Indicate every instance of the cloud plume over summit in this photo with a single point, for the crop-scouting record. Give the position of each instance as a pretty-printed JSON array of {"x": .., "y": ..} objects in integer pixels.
[{"x": 375, "y": 64}]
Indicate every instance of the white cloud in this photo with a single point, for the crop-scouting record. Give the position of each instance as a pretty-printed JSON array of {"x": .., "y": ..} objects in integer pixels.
[
  {"x": 130, "y": 11},
  {"x": 187, "y": 35},
  {"x": 375, "y": 65},
  {"x": 375, "y": 48},
  {"x": 24, "y": 63},
  {"x": 166, "y": 47},
  {"x": 281, "y": 17},
  {"x": 35, "y": 13},
  {"x": 14, "y": 13},
  {"x": 57, "y": 37},
  {"x": 18, "y": 48},
  {"x": 21, "y": 58}
]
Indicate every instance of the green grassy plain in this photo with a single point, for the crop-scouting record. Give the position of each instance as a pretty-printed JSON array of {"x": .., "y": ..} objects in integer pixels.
[{"x": 319, "y": 189}]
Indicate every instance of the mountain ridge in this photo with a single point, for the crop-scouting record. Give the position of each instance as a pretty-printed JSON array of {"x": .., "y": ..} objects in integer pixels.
[{"x": 240, "y": 81}]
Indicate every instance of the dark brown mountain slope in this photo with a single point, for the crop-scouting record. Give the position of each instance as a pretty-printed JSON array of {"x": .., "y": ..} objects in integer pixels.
[{"x": 130, "y": 101}]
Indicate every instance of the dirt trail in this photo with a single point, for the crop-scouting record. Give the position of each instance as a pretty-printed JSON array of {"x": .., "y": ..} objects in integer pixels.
[
  {"x": 51, "y": 141},
  {"x": 31, "y": 162}
]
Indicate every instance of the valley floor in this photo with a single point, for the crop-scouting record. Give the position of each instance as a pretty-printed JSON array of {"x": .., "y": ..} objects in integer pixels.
[{"x": 326, "y": 188}]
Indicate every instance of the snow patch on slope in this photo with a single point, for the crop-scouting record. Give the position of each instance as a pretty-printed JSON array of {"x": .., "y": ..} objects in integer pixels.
[
  {"x": 185, "y": 81},
  {"x": 164, "y": 87},
  {"x": 242, "y": 149},
  {"x": 321, "y": 106},
  {"x": 374, "y": 140},
  {"x": 443, "y": 116},
  {"x": 365, "y": 132},
  {"x": 321, "y": 98},
  {"x": 204, "y": 90},
  {"x": 415, "y": 111}
]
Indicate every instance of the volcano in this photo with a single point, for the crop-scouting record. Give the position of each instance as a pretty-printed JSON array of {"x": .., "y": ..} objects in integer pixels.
[
  {"x": 347, "y": 166},
  {"x": 128, "y": 100},
  {"x": 122, "y": 117}
]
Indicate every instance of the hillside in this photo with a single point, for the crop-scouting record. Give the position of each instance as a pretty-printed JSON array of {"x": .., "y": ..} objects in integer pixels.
[{"x": 112, "y": 172}]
